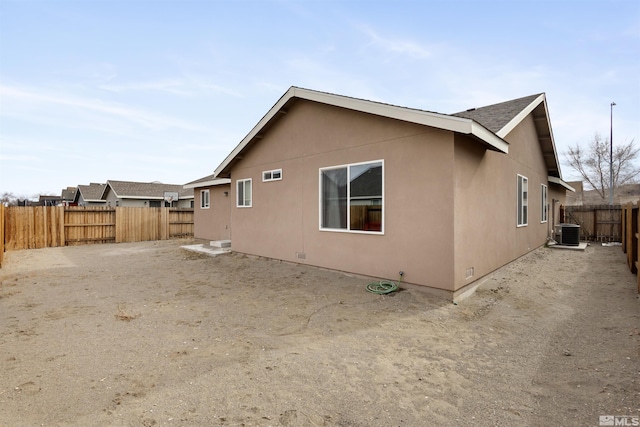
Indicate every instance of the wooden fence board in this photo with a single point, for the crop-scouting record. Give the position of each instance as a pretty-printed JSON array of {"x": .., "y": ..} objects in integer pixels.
[
  {"x": 89, "y": 225},
  {"x": 630, "y": 240},
  {"x": 2, "y": 208},
  {"x": 600, "y": 223},
  {"x": 38, "y": 227}
]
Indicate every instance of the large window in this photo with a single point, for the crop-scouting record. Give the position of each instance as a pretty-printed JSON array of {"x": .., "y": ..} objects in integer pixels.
[
  {"x": 243, "y": 187},
  {"x": 544, "y": 212},
  {"x": 523, "y": 200},
  {"x": 351, "y": 197},
  {"x": 204, "y": 199}
]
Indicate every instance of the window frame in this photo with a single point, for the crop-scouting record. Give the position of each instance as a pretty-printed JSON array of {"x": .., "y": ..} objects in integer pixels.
[
  {"x": 348, "y": 229},
  {"x": 202, "y": 194},
  {"x": 271, "y": 173},
  {"x": 522, "y": 196},
  {"x": 544, "y": 209},
  {"x": 244, "y": 183}
]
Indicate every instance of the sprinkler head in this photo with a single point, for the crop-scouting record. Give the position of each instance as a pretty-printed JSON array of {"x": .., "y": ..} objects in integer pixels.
[{"x": 401, "y": 273}]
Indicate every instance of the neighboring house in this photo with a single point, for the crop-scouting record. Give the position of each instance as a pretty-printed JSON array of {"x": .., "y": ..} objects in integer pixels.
[
  {"x": 46, "y": 200},
  {"x": 575, "y": 198},
  {"x": 212, "y": 208},
  {"x": 65, "y": 199},
  {"x": 90, "y": 195},
  {"x": 374, "y": 189},
  {"x": 68, "y": 196},
  {"x": 146, "y": 194}
]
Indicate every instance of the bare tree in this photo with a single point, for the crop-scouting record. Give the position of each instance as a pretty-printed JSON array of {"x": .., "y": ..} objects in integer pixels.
[{"x": 593, "y": 163}]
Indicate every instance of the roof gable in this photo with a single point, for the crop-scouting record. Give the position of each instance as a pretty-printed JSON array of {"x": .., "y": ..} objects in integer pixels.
[
  {"x": 441, "y": 121},
  {"x": 503, "y": 117},
  {"x": 495, "y": 117},
  {"x": 488, "y": 125},
  {"x": 90, "y": 193}
]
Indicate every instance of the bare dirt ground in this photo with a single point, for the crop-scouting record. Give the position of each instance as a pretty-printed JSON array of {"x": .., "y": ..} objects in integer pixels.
[{"x": 148, "y": 334}]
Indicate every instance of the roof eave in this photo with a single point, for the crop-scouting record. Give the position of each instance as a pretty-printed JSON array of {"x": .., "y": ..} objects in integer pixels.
[
  {"x": 520, "y": 116},
  {"x": 210, "y": 183},
  {"x": 493, "y": 142},
  {"x": 560, "y": 182},
  {"x": 436, "y": 120}
]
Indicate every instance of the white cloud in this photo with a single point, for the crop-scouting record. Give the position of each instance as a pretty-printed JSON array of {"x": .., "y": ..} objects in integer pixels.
[
  {"x": 395, "y": 45},
  {"x": 39, "y": 100}
]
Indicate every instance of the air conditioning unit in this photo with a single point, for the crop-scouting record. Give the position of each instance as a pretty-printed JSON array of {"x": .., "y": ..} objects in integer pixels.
[{"x": 568, "y": 234}]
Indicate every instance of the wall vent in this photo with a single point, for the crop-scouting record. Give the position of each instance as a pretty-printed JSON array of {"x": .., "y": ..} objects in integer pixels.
[
  {"x": 469, "y": 273},
  {"x": 301, "y": 255}
]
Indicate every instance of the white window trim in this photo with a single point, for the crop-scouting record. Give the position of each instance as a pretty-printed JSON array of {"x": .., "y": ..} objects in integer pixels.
[
  {"x": 544, "y": 213},
  {"x": 341, "y": 230},
  {"x": 202, "y": 205},
  {"x": 238, "y": 205},
  {"x": 521, "y": 204},
  {"x": 271, "y": 172}
]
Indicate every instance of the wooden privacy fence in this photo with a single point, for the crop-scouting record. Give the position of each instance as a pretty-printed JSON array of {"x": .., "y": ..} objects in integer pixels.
[
  {"x": 1, "y": 233},
  {"x": 630, "y": 228},
  {"x": 630, "y": 237},
  {"x": 47, "y": 226},
  {"x": 600, "y": 223}
]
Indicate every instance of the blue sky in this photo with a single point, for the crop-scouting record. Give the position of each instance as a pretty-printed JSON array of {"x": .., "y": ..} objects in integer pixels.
[{"x": 164, "y": 90}]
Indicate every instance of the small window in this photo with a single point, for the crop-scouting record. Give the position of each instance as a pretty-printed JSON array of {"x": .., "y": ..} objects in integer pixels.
[
  {"x": 523, "y": 200},
  {"x": 274, "y": 175},
  {"x": 544, "y": 212},
  {"x": 204, "y": 199},
  {"x": 243, "y": 187}
]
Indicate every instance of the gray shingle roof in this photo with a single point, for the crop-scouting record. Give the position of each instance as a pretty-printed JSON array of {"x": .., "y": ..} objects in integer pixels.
[
  {"x": 149, "y": 190},
  {"x": 91, "y": 192},
  {"x": 495, "y": 117},
  {"x": 69, "y": 193}
]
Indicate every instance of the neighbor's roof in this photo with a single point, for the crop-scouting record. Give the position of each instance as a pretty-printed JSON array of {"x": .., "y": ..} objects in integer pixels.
[
  {"x": 91, "y": 193},
  {"x": 69, "y": 193},
  {"x": 145, "y": 190},
  {"x": 207, "y": 181},
  {"x": 442, "y": 121},
  {"x": 487, "y": 125}
]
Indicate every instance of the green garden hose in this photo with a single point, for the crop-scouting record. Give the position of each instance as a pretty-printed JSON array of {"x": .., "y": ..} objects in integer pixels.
[{"x": 384, "y": 286}]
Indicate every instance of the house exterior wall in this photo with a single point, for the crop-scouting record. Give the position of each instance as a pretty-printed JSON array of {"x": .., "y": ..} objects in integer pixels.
[
  {"x": 487, "y": 235},
  {"x": 557, "y": 197},
  {"x": 184, "y": 203},
  {"x": 213, "y": 223},
  {"x": 283, "y": 221},
  {"x": 82, "y": 202},
  {"x": 450, "y": 205},
  {"x": 113, "y": 201}
]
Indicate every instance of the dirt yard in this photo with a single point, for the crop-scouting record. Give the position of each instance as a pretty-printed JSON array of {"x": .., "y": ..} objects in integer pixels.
[{"x": 149, "y": 334}]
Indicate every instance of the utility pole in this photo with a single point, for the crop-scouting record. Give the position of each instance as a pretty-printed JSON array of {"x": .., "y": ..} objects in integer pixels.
[{"x": 611, "y": 159}]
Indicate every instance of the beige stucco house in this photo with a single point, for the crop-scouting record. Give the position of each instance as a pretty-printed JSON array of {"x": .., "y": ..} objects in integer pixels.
[
  {"x": 374, "y": 189},
  {"x": 212, "y": 208}
]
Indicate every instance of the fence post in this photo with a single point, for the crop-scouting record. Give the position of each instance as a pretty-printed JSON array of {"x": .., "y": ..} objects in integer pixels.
[
  {"x": 1, "y": 233},
  {"x": 623, "y": 227},
  {"x": 635, "y": 242},
  {"x": 165, "y": 224},
  {"x": 633, "y": 239}
]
